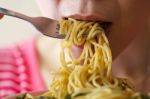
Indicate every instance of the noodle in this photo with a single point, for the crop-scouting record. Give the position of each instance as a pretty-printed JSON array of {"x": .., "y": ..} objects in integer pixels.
[
  {"x": 91, "y": 72},
  {"x": 89, "y": 76}
]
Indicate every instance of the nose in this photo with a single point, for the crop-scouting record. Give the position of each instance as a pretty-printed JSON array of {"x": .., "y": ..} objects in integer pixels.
[
  {"x": 89, "y": 9},
  {"x": 81, "y": 7}
]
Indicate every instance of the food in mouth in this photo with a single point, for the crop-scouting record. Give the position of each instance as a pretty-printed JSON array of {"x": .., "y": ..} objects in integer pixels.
[{"x": 90, "y": 75}]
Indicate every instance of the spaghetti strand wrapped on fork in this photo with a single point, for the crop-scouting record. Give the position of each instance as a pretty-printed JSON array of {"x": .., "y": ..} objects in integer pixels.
[{"x": 90, "y": 75}]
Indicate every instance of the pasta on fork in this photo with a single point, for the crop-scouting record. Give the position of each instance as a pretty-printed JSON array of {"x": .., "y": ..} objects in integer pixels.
[{"x": 90, "y": 75}]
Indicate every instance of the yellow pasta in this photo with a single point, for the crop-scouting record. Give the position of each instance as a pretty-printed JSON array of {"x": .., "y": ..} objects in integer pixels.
[{"x": 89, "y": 76}]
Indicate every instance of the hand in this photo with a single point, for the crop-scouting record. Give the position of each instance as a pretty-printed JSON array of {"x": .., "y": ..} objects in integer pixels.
[{"x": 1, "y": 16}]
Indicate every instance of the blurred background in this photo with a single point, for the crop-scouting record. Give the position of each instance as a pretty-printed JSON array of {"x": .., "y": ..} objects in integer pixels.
[{"x": 14, "y": 30}]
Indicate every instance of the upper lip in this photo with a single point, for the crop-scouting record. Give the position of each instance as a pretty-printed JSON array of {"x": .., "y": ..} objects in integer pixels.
[{"x": 90, "y": 17}]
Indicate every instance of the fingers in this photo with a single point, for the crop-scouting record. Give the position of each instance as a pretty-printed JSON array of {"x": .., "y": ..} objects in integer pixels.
[{"x": 1, "y": 16}]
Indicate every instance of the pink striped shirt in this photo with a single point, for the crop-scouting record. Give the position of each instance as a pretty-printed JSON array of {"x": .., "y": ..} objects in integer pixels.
[{"x": 19, "y": 69}]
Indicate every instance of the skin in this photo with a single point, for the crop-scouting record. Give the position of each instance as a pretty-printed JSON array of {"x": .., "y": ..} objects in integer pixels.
[
  {"x": 129, "y": 17},
  {"x": 128, "y": 35}
]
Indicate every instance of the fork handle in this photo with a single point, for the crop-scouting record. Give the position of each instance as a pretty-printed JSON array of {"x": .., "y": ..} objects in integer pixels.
[{"x": 14, "y": 14}]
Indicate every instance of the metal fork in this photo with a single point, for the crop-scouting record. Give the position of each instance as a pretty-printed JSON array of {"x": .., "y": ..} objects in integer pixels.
[{"x": 46, "y": 26}]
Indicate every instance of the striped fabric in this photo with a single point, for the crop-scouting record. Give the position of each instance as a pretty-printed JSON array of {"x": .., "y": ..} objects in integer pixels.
[{"x": 19, "y": 71}]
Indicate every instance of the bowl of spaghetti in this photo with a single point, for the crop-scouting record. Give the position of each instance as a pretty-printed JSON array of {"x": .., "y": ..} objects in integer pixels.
[{"x": 90, "y": 75}]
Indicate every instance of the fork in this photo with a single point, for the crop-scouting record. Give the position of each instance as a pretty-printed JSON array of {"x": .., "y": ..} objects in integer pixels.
[{"x": 44, "y": 25}]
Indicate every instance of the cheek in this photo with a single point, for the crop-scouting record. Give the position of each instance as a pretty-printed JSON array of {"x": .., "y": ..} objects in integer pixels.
[
  {"x": 123, "y": 33},
  {"x": 131, "y": 23}
]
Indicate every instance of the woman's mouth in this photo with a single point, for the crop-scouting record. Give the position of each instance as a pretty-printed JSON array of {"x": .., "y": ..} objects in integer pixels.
[{"x": 104, "y": 22}]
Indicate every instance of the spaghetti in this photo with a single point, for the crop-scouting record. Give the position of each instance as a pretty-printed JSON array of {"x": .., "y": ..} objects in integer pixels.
[{"x": 89, "y": 76}]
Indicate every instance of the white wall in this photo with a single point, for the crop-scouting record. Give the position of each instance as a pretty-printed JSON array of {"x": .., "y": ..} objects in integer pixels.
[{"x": 13, "y": 30}]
